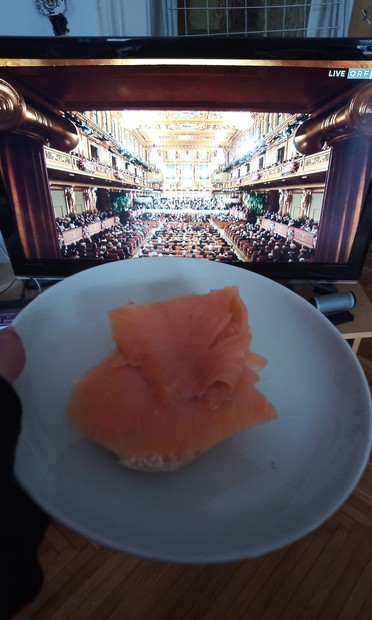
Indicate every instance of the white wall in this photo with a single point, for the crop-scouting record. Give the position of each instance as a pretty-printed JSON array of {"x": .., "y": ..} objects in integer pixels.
[
  {"x": 85, "y": 18},
  {"x": 21, "y": 18}
]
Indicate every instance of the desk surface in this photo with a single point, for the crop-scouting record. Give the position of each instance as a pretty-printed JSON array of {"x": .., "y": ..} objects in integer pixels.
[{"x": 361, "y": 326}]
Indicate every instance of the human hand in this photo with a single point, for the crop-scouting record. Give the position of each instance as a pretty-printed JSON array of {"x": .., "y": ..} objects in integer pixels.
[{"x": 12, "y": 354}]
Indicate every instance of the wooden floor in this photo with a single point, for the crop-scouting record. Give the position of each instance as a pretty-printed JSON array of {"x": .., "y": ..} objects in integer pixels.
[{"x": 327, "y": 575}]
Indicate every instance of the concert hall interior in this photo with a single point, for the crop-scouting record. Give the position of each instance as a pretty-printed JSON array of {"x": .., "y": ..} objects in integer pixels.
[{"x": 228, "y": 164}]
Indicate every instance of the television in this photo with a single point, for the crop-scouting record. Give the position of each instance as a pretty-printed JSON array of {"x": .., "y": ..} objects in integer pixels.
[{"x": 252, "y": 151}]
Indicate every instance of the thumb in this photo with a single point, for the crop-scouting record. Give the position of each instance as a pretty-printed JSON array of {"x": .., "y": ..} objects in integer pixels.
[{"x": 12, "y": 354}]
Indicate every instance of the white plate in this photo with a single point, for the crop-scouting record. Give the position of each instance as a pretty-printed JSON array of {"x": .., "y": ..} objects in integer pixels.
[{"x": 254, "y": 493}]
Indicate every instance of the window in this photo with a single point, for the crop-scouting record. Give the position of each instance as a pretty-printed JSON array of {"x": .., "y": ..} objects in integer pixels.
[
  {"x": 204, "y": 171},
  {"x": 93, "y": 151},
  {"x": 285, "y": 18},
  {"x": 280, "y": 155},
  {"x": 171, "y": 171},
  {"x": 187, "y": 171},
  {"x": 114, "y": 128}
]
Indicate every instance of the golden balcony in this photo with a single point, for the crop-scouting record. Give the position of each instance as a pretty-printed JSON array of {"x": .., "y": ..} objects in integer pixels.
[
  {"x": 293, "y": 171},
  {"x": 88, "y": 171}
]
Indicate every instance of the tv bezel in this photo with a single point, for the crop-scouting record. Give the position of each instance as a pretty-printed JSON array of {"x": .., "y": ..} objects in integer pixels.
[{"x": 190, "y": 48}]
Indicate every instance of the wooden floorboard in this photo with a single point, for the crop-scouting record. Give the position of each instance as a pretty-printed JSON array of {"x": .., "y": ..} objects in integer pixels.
[{"x": 325, "y": 576}]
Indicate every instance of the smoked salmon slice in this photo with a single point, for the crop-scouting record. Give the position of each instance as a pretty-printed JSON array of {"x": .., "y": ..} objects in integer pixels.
[{"x": 181, "y": 379}]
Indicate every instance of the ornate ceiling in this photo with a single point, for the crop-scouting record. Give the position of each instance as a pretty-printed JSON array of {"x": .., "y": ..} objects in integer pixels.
[{"x": 177, "y": 130}]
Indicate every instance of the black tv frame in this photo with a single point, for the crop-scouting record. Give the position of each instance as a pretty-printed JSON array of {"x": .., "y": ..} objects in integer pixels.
[{"x": 181, "y": 48}]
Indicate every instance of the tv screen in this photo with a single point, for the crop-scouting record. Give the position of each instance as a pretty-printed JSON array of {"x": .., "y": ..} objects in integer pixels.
[{"x": 255, "y": 152}]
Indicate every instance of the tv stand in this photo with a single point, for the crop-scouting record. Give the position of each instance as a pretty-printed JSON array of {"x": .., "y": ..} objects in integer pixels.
[
  {"x": 325, "y": 289},
  {"x": 355, "y": 331}
]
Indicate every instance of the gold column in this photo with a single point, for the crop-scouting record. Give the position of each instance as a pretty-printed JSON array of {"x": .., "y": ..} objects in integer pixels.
[
  {"x": 348, "y": 130},
  {"x": 17, "y": 115},
  {"x": 24, "y": 130}
]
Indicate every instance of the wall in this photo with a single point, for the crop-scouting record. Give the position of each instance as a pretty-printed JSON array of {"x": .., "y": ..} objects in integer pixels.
[
  {"x": 85, "y": 18},
  {"x": 23, "y": 19}
]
